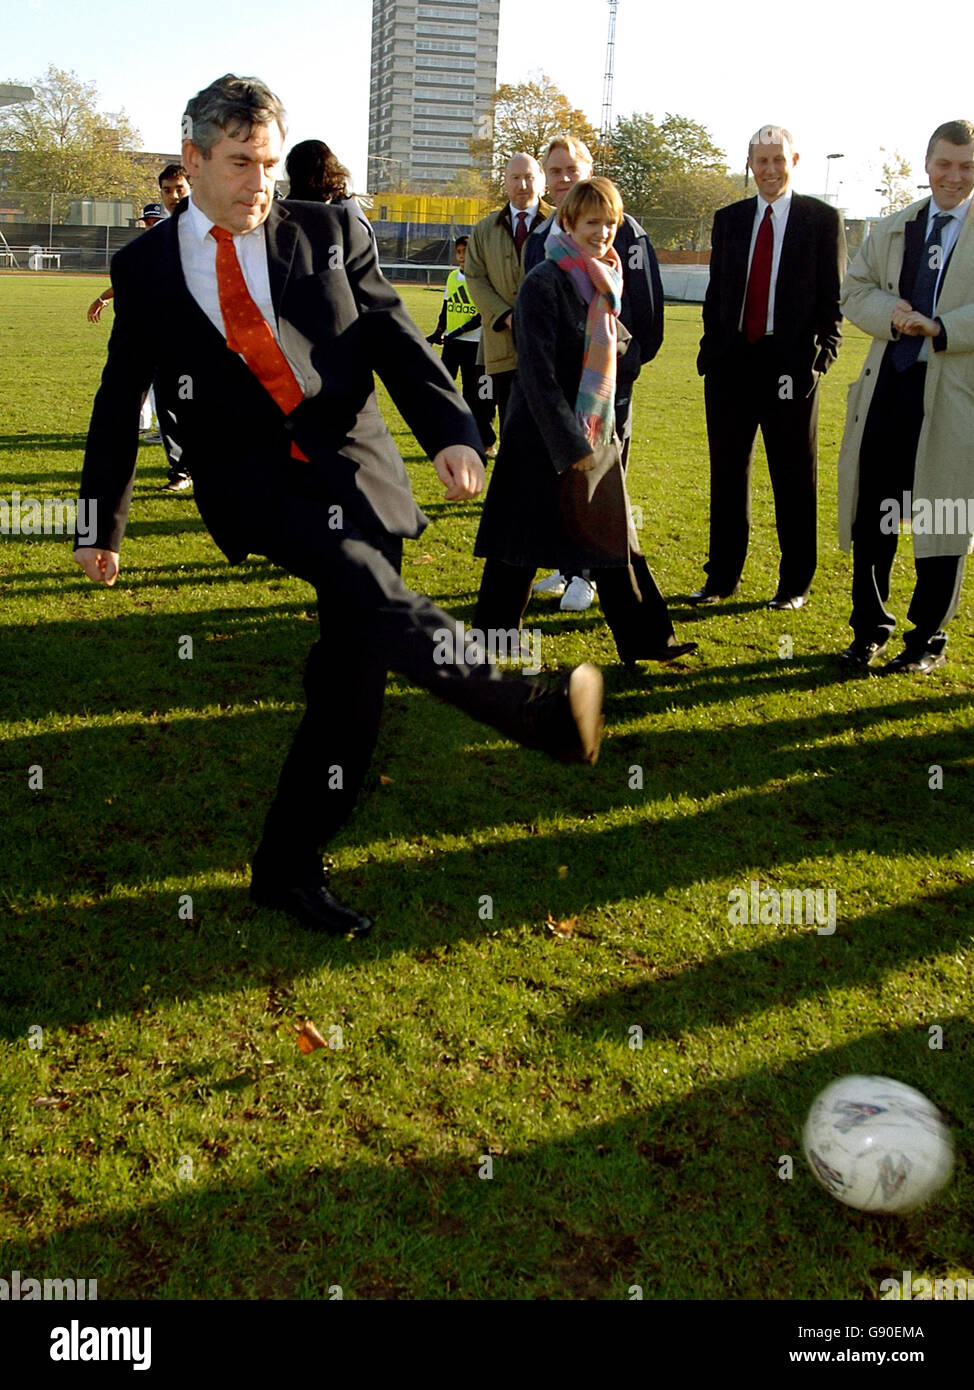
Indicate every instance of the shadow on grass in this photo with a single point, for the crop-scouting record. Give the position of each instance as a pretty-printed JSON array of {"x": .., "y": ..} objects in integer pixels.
[
  {"x": 178, "y": 575},
  {"x": 682, "y": 1197},
  {"x": 712, "y": 993},
  {"x": 174, "y": 798},
  {"x": 130, "y": 818},
  {"x": 52, "y": 442}
]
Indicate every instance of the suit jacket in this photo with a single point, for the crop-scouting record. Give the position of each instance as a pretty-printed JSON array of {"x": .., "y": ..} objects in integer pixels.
[
  {"x": 882, "y": 273},
  {"x": 338, "y": 318},
  {"x": 806, "y": 301},
  {"x": 494, "y": 272},
  {"x": 642, "y": 292}
]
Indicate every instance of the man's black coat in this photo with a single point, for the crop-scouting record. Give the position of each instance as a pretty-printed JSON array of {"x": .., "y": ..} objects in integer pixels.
[
  {"x": 806, "y": 300},
  {"x": 340, "y": 319}
]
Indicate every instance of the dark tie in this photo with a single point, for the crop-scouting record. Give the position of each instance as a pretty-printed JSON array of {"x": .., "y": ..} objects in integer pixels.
[
  {"x": 759, "y": 281},
  {"x": 906, "y": 350},
  {"x": 521, "y": 231},
  {"x": 249, "y": 333}
]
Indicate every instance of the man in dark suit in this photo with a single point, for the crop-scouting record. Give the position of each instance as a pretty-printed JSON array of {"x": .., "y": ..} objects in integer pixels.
[
  {"x": 271, "y": 318},
  {"x": 770, "y": 330}
]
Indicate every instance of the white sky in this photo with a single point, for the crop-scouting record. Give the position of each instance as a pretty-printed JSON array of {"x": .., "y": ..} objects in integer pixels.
[{"x": 829, "y": 70}]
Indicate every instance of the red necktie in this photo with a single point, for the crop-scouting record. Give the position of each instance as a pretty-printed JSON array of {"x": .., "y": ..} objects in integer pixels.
[
  {"x": 249, "y": 333},
  {"x": 521, "y": 231},
  {"x": 759, "y": 281}
]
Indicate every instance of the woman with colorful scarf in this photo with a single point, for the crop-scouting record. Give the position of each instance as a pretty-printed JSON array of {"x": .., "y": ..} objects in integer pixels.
[{"x": 561, "y": 417}]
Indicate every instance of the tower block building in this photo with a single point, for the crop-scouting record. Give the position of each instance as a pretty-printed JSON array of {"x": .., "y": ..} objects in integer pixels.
[{"x": 434, "y": 72}]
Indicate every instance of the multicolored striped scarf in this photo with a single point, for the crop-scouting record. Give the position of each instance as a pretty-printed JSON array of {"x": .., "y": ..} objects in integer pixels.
[{"x": 600, "y": 285}]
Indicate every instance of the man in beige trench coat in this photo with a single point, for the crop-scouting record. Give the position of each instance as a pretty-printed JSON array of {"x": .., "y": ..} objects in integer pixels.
[{"x": 908, "y": 448}]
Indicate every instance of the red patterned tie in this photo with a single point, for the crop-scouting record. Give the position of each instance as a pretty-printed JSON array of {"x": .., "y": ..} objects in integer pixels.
[
  {"x": 249, "y": 333},
  {"x": 521, "y": 231},
  {"x": 759, "y": 281}
]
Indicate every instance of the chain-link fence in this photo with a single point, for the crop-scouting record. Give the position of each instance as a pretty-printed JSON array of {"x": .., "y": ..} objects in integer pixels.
[{"x": 49, "y": 244}]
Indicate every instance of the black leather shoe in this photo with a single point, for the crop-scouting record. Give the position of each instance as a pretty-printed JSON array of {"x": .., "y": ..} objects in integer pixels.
[
  {"x": 783, "y": 602},
  {"x": 565, "y": 720},
  {"x": 314, "y": 908},
  {"x": 664, "y": 654},
  {"x": 914, "y": 663},
  {"x": 861, "y": 655},
  {"x": 706, "y": 597}
]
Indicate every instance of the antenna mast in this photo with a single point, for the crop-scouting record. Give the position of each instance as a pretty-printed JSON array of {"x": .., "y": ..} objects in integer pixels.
[{"x": 605, "y": 134}]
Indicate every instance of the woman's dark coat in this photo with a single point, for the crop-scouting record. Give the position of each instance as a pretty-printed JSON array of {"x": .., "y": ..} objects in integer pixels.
[{"x": 540, "y": 437}]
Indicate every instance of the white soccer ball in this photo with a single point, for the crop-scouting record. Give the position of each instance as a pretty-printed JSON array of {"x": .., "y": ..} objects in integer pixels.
[{"x": 877, "y": 1145}]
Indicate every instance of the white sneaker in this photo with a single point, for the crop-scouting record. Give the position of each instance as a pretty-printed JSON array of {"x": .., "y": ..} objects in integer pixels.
[
  {"x": 553, "y": 586},
  {"x": 578, "y": 596}
]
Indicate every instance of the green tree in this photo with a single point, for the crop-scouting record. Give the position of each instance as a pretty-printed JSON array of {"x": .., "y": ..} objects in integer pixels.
[
  {"x": 685, "y": 207},
  {"x": 63, "y": 145},
  {"x": 645, "y": 157},
  {"x": 524, "y": 120}
]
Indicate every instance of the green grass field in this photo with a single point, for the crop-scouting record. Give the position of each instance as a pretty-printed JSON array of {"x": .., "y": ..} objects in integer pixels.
[{"x": 169, "y": 1139}]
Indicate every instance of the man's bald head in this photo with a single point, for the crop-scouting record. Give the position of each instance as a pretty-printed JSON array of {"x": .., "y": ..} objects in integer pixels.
[{"x": 523, "y": 180}]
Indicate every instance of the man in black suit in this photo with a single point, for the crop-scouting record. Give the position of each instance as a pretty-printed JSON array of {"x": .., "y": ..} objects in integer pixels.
[
  {"x": 770, "y": 330},
  {"x": 291, "y": 459}
]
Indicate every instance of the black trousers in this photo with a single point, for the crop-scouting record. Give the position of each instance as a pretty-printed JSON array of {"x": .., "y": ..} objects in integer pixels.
[
  {"x": 743, "y": 393},
  {"x": 173, "y": 450},
  {"x": 887, "y": 459},
  {"x": 370, "y": 623},
  {"x": 461, "y": 358},
  {"x": 640, "y": 624},
  {"x": 502, "y": 383}
]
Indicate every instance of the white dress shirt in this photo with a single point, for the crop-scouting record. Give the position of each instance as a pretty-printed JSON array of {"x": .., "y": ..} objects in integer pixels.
[
  {"x": 197, "y": 252},
  {"x": 948, "y": 240},
  {"x": 780, "y": 209},
  {"x": 530, "y": 212}
]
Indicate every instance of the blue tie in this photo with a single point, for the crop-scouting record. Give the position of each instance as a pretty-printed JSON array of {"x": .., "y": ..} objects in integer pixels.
[{"x": 906, "y": 350}]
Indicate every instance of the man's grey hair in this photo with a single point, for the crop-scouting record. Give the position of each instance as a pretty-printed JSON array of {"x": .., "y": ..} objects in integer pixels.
[
  {"x": 770, "y": 135},
  {"x": 957, "y": 132},
  {"x": 231, "y": 106}
]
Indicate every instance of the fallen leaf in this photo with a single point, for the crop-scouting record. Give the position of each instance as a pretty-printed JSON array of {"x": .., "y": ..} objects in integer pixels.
[
  {"x": 563, "y": 930},
  {"x": 308, "y": 1037},
  {"x": 562, "y": 870},
  {"x": 60, "y": 1102},
  {"x": 386, "y": 781}
]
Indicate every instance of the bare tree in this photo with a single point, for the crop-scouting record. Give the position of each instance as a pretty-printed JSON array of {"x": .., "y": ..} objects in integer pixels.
[{"x": 896, "y": 186}]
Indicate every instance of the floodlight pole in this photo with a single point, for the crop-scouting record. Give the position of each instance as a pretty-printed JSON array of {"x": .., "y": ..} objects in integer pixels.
[{"x": 605, "y": 134}]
